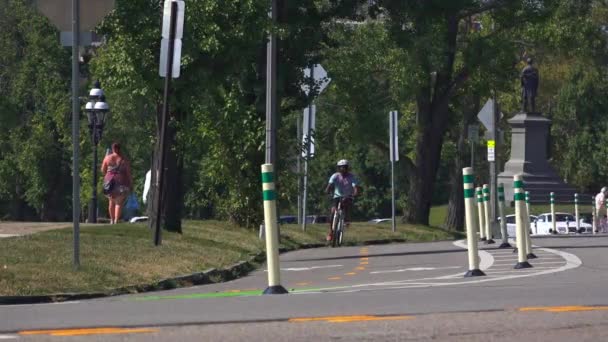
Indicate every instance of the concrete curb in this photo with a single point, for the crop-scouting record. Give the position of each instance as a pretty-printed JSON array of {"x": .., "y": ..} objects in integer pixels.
[{"x": 209, "y": 276}]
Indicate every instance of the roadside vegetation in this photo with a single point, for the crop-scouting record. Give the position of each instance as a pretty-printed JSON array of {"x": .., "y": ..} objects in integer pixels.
[{"x": 123, "y": 255}]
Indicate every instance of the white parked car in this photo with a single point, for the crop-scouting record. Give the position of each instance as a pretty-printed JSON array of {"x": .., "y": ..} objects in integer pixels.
[
  {"x": 510, "y": 220},
  {"x": 564, "y": 223}
]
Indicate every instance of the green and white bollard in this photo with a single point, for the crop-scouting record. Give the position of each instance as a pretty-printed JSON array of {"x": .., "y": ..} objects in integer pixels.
[
  {"x": 486, "y": 216},
  {"x": 501, "y": 212},
  {"x": 480, "y": 214},
  {"x": 272, "y": 232},
  {"x": 471, "y": 222},
  {"x": 529, "y": 253},
  {"x": 576, "y": 215},
  {"x": 520, "y": 223},
  {"x": 553, "y": 223}
]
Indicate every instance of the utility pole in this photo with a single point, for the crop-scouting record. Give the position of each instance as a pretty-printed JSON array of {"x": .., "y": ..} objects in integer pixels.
[{"x": 76, "y": 130}]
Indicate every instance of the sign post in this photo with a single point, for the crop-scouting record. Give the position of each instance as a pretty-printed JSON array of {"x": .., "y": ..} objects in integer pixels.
[
  {"x": 488, "y": 117},
  {"x": 394, "y": 156},
  {"x": 316, "y": 80},
  {"x": 57, "y": 11},
  {"x": 170, "y": 53},
  {"x": 473, "y": 135}
]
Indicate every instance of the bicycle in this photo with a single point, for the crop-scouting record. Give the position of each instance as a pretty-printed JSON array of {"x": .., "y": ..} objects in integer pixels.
[{"x": 337, "y": 225}]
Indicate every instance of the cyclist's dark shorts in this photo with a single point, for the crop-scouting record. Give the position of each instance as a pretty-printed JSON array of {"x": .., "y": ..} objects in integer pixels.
[{"x": 335, "y": 201}]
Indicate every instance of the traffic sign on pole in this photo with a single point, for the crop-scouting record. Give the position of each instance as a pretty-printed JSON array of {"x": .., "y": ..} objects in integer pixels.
[
  {"x": 178, "y": 33},
  {"x": 320, "y": 78},
  {"x": 308, "y": 139},
  {"x": 394, "y": 136}
]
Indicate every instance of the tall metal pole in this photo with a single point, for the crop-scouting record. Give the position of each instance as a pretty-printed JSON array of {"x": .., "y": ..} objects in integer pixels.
[
  {"x": 393, "y": 157},
  {"x": 308, "y": 142},
  {"x": 299, "y": 167},
  {"x": 75, "y": 131},
  {"x": 163, "y": 127},
  {"x": 93, "y": 212},
  {"x": 493, "y": 185},
  {"x": 394, "y": 224},
  {"x": 271, "y": 74}
]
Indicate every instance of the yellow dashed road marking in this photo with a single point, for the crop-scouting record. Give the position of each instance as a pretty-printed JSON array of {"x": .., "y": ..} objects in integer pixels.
[
  {"x": 334, "y": 278},
  {"x": 303, "y": 284},
  {"x": 364, "y": 263},
  {"x": 348, "y": 319},
  {"x": 360, "y": 268},
  {"x": 573, "y": 308},
  {"x": 88, "y": 331},
  {"x": 350, "y": 273}
]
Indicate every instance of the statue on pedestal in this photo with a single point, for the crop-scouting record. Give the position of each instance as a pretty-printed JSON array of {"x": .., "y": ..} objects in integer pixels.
[{"x": 529, "y": 86}]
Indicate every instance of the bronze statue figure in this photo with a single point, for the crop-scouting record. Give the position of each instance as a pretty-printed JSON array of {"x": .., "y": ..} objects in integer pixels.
[{"x": 529, "y": 83}]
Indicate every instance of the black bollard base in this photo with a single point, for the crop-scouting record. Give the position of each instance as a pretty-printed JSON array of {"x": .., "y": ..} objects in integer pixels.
[
  {"x": 515, "y": 250},
  {"x": 474, "y": 273},
  {"x": 505, "y": 245},
  {"x": 521, "y": 265},
  {"x": 490, "y": 241},
  {"x": 483, "y": 239},
  {"x": 277, "y": 289},
  {"x": 532, "y": 256}
]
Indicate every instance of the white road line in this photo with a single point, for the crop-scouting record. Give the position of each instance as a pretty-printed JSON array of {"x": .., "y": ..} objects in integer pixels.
[
  {"x": 57, "y": 303},
  {"x": 415, "y": 269},
  {"x": 297, "y": 269},
  {"x": 7, "y": 235},
  {"x": 8, "y": 337},
  {"x": 572, "y": 261}
]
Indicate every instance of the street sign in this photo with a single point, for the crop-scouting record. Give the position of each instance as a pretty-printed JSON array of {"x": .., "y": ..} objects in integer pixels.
[
  {"x": 320, "y": 78},
  {"x": 486, "y": 115},
  {"x": 309, "y": 127},
  {"x": 179, "y": 24},
  {"x": 177, "y": 39},
  {"x": 473, "y": 133},
  {"x": 177, "y": 57},
  {"x": 491, "y": 150},
  {"x": 59, "y": 13},
  {"x": 393, "y": 135}
]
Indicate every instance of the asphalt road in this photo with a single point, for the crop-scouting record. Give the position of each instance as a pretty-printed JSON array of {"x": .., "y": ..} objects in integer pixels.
[{"x": 373, "y": 293}]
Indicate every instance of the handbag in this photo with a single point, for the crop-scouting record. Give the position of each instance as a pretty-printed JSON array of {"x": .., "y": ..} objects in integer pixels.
[{"x": 109, "y": 182}]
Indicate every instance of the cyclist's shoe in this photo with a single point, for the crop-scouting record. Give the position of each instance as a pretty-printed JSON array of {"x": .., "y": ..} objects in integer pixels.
[{"x": 329, "y": 238}]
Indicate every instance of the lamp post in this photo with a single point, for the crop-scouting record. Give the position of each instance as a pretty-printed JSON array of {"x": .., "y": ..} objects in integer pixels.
[{"x": 97, "y": 110}]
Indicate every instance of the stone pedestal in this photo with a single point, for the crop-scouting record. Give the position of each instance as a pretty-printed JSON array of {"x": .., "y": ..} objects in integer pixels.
[{"x": 529, "y": 137}]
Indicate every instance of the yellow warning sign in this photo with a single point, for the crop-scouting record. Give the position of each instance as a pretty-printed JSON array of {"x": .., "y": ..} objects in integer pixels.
[{"x": 491, "y": 143}]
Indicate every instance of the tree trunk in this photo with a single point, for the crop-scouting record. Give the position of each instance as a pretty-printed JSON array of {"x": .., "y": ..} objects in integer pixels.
[
  {"x": 455, "y": 217},
  {"x": 172, "y": 196}
]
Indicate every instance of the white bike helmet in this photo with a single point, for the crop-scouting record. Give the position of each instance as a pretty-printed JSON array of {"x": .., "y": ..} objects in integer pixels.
[
  {"x": 343, "y": 162},
  {"x": 604, "y": 189}
]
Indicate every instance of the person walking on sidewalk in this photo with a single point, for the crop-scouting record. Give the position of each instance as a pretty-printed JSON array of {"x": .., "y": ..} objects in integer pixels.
[{"x": 117, "y": 181}]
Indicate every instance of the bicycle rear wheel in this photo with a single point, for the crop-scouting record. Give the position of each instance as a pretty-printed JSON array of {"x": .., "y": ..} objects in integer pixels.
[
  {"x": 339, "y": 232},
  {"x": 334, "y": 228}
]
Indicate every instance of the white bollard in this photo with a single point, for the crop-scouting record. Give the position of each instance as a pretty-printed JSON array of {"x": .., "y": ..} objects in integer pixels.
[
  {"x": 471, "y": 222},
  {"x": 576, "y": 215},
  {"x": 520, "y": 223},
  {"x": 272, "y": 232},
  {"x": 529, "y": 253},
  {"x": 501, "y": 212},
  {"x": 553, "y": 223},
  {"x": 486, "y": 216},
  {"x": 480, "y": 215},
  {"x": 594, "y": 216}
]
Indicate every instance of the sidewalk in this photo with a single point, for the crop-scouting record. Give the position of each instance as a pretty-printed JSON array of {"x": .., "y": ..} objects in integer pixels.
[{"x": 9, "y": 228}]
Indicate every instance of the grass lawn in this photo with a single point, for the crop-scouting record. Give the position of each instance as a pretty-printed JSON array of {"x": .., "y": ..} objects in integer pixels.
[{"x": 122, "y": 255}]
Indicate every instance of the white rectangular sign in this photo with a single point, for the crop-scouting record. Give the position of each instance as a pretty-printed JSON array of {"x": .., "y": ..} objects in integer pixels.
[
  {"x": 309, "y": 126},
  {"x": 394, "y": 135},
  {"x": 164, "y": 55},
  {"x": 179, "y": 24},
  {"x": 491, "y": 154}
]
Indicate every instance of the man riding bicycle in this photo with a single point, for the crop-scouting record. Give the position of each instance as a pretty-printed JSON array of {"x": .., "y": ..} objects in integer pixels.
[{"x": 344, "y": 186}]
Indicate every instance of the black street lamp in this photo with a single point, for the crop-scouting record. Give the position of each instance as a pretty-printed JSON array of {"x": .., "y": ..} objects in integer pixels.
[{"x": 97, "y": 110}]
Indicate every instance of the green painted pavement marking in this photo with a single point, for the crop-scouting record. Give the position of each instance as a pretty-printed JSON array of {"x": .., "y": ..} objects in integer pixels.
[
  {"x": 267, "y": 177},
  {"x": 226, "y": 294},
  {"x": 269, "y": 195}
]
